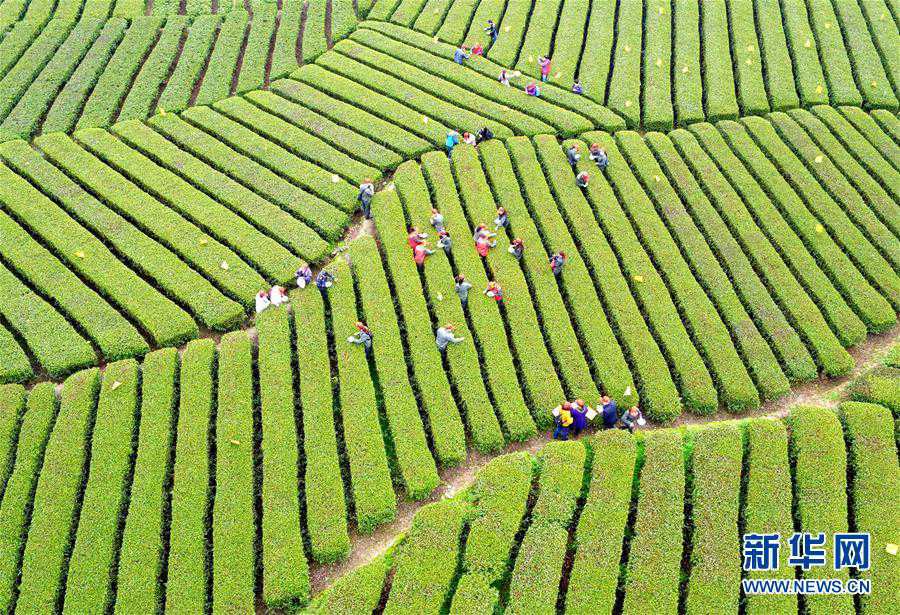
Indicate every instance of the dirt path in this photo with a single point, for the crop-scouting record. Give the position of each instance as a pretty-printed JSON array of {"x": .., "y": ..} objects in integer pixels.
[{"x": 822, "y": 392}]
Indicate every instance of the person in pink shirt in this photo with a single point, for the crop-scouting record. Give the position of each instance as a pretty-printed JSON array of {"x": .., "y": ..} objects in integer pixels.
[
  {"x": 420, "y": 252},
  {"x": 544, "y": 63}
]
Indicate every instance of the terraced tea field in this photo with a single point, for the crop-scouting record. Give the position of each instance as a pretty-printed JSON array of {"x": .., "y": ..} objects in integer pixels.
[{"x": 167, "y": 448}]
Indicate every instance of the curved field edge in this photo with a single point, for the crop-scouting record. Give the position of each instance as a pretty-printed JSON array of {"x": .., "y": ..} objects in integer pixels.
[{"x": 732, "y": 477}]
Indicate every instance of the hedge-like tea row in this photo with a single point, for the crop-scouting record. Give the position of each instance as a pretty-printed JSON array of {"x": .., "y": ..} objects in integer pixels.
[
  {"x": 548, "y": 302},
  {"x": 872, "y": 308},
  {"x": 373, "y": 493},
  {"x": 874, "y": 194},
  {"x": 688, "y": 369},
  {"x": 112, "y": 87},
  {"x": 747, "y": 56},
  {"x": 17, "y": 39},
  {"x": 812, "y": 86},
  {"x": 569, "y": 38},
  {"x": 538, "y": 37},
  {"x": 688, "y": 82},
  {"x": 658, "y": 393},
  {"x": 820, "y": 487},
  {"x": 15, "y": 83},
  {"x": 350, "y": 142},
  {"x": 550, "y": 234},
  {"x": 23, "y": 119},
  {"x": 499, "y": 496},
  {"x": 538, "y": 567},
  {"x": 879, "y": 386},
  {"x": 462, "y": 359},
  {"x": 285, "y": 573},
  {"x": 256, "y": 48},
  {"x": 456, "y": 21},
  {"x": 513, "y": 26},
  {"x": 239, "y": 280},
  {"x": 869, "y": 431},
  {"x": 264, "y": 212},
  {"x": 752, "y": 347},
  {"x": 56, "y": 499},
  {"x": 541, "y": 381},
  {"x": 176, "y": 94},
  {"x": 233, "y": 529},
  {"x": 887, "y": 121},
  {"x": 767, "y": 503},
  {"x": 356, "y": 592},
  {"x": 598, "y": 538},
  {"x": 484, "y": 315},
  {"x": 838, "y": 72},
  {"x": 865, "y": 60},
  {"x": 66, "y": 107},
  {"x": 260, "y": 251},
  {"x": 12, "y": 407},
  {"x": 314, "y": 43},
  {"x": 88, "y": 582},
  {"x": 768, "y": 317},
  {"x": 187, "y": 574},
  {"x": 777, "y": 65},
  {"x": 433, "y": 386},
  {"x": 822, "y": 172},
  {"x": 417, "y": 468},
  {"x": 624, "y": 95},
  {"x": 791, "y": 297},
  {"x": 347, "y": 116},
  {"x": 431, "y": 17},
  {"x": 654, "y": 561},
  {"x": 14, "y": 364},
  {"x": 425, "y": 564},
  {"x": 326, "y": 512},
  {"x": 140, "y": 560},
  {"x": 279, "y": 160},
  {"x": 155, "y": 69},
  {"x": 792, "y": 250},
  {"x": 28, "y": 448},
  {"x": 163, "y": 319},
  {"x": 222, "y": 61},
  {"x": 284, "y": 53},
  {"x": 420, "y": 101},
  {"x": 468, "y": 89},
  {"x": 699, "y": 314},
  {"x": 715, "y": 547},
  {"x": 359, "y": 96},
  {"x": 404, "y": 13},
  {"x": 319, "y": 216},
  {"x": 870, "y": 129},
  {"x": 720, "y": 98},
  {"x": 307, "y": 145},
  {"x": 656, "y": 95},
  {"x": 54, "y": 343},
  {"x": 555, "y": 94}
]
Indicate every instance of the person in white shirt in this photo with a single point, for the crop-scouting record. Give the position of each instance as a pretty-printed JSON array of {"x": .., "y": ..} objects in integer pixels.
[
  {"x": 278, "y": 295},
  {"x": 262, "y": 301}
]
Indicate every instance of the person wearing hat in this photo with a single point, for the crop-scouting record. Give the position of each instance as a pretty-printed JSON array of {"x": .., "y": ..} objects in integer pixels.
[
  {"x": 437, "y": 220},
  {"x": 304, "y": 276},
  {"x": 366, "y": 192},
  {"x": 324, "y": 280},
  {"x": 557, "y": 262},
  {"x": 598, "y": 155},
  {"x": 362, "y": 337},
  {"x": 278, "y": 295},
  {"x": 573, "y": 155},
  {"x": 444, "y": 337},
  {"x": 517, "y": 248},
  {"x": 444, "y": 242},
  {"x": 582, "y": 180}
]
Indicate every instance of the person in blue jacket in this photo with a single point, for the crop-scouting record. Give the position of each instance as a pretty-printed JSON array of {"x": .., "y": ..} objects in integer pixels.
[
  {"x": 610, "y": 412},
  {"x": 460, "y": 55},
  {"x": 579, "y": 416},
  {"x": 451, "y": 142}
]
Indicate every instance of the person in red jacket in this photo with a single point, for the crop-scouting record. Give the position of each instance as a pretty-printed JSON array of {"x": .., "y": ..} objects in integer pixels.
[
  {"x": 493, "y": 291},
  {"x": 420, "y": 252}
]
